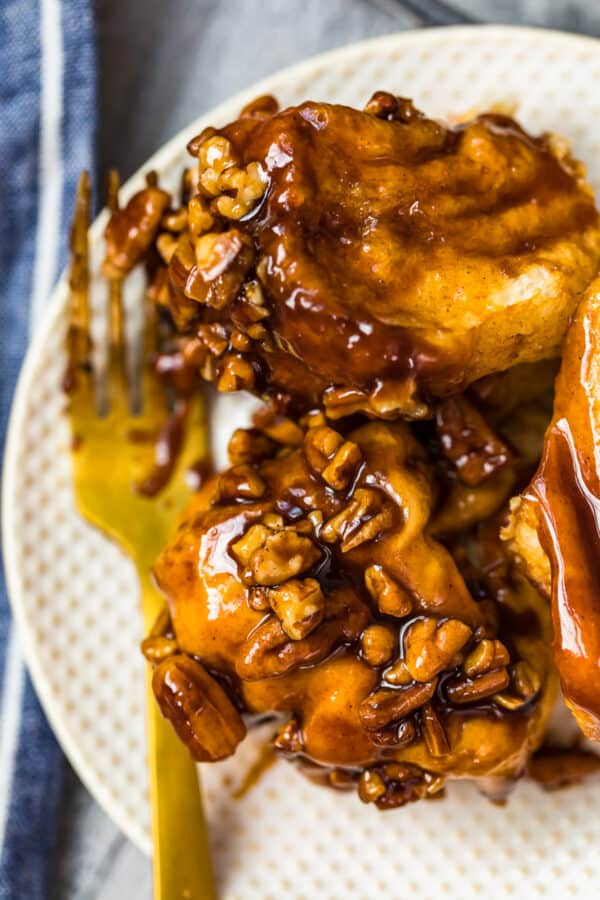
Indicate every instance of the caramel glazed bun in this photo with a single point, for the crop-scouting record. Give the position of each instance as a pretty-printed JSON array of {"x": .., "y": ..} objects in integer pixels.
[
  {"x": 424, "y": 256},
  {"x": 305, "y": 580}
]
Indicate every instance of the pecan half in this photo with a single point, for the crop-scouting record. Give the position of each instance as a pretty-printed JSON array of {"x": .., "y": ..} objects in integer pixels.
[
  {"x": 269, "y": 651},
  {"x": 131, "y": 231},
  {"x": 198, "y": 708},
  {"x": 430, "y": 646},
  {"x": 385, "y": 706}
]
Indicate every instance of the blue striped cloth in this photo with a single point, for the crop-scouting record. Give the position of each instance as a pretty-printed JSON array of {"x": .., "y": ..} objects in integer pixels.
[{"x": 47, "y": 109}]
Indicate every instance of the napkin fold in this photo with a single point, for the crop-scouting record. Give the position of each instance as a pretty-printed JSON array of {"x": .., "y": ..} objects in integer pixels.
[{"x": 47, "y": 124}]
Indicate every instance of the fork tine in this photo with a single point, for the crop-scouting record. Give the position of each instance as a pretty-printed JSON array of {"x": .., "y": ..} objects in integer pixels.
[
  {"x": 79, "y": 345},
  {"x": 117, "y": 380}
]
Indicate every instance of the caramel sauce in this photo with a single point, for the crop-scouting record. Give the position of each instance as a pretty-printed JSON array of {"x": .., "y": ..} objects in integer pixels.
[
  {"x": 567, "y": 490},
  {"x": 372, "y": 233}
]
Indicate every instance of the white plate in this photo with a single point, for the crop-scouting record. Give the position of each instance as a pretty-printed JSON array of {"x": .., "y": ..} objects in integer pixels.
[{"x": 74, "y": 594}]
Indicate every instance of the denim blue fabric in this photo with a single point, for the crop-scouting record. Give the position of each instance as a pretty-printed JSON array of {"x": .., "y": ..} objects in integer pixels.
[{"x": 27, "y": 852}]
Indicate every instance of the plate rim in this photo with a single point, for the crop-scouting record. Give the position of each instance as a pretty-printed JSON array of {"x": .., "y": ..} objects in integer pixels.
[{"x": 54, "y": 311}]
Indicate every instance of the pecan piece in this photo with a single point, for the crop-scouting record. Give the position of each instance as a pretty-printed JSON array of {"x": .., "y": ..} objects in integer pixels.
[
  {"x": 468, "y": 442},
  {"x": 198, "y": 708},
  {"x": 486, "y": 655},
  {"x": 248, "y": 445},
  {"x": 333, "y": 458},
  {"x": 433, "y": 731},
  {"x": 131, "y": 230},
  {"x": 365, "y": 518},
  {"x": 377, "y": 644},
  {"x": 288, "y": 739},
  {"x": 299, "y": 606},
  {"x": 283, "y": 555},
  {"x": 430, "y": 646},
  {"x": 385, "y": 706},
  {"x": 401, "y": 782},
  {"x": 391, "y": 598},
  {"x": 269, "y": 651},
  {"x": 526, "y": 684},
  {"x": 241, "y": 481},
  {"x": 471, "y": 690}
]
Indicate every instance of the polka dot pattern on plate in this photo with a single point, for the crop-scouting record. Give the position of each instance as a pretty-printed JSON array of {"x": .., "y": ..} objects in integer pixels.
[{"x": 75, "y": 594}]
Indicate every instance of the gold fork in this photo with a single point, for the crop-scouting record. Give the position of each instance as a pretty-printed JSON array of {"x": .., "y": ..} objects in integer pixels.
[{"x": 111, "y": 454}]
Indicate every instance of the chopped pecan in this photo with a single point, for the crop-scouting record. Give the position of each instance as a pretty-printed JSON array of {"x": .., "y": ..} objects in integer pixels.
[
  {"x": 365, "y": 518},
  {"x": 166, "y": 244},
  {"x": 288, "y": 739},
  {"x": 222, "y": 260},
  {"x": 246, "y": 185},
  {"x": 371, "y": 786},
  {"x": 333, "y": 458},
  {"x": 433, "y": 731},
  {"x": 175, "y": 219},
  {"x": 471, "y": 690},
  {"x": 200, "y": 219},
  {"x": 398, "y": 674},
  {"x": 236, "y": 374},
  {"x": 397, "y": 736},
  {"x": 213, "y": 337},
  {"x": 386, "y": 106},
  {"x": 377, "y": 644},
  {"x": 299, "y": 605},
  {"x": 402, "y": 782},
  {"x": 158, "y": 647},
  {"x": 215, "y": 155},
  {"x": 131, "y": 231},
  {"x": 248, "y": 445},
  {"x": 430, "y": 646},
  {"x": 258, "y": 599},
  {"x": 198, "y": 708},
  {"x": 160, "y": 642},
  {"x": 283, "y": 555},
  {"x": 468, "y": 442},
  {"x": 253, "y": 539},
  {"x": 486, "y": 655},
  {"x": 241, "y": 481},
  {"x": 385, "y": 706},
  {"x": 269, "y": 651},
  {"x": 526, "y": 684},
  {"x": 391, "y": 598}
]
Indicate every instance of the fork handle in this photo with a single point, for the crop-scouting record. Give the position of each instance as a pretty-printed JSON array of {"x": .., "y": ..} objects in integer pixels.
[{"x": 180, "y": 849}]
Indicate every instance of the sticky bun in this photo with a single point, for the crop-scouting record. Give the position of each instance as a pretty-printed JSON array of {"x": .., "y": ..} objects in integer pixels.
[{"x": 398, "y": 290}]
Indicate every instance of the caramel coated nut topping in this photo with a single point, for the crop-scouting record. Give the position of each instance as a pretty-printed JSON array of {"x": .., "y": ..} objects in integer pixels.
[
  {"x": 472, "y": 690},
  {"x": 241, "y": 481},
  {"x": 433, "y": 731},
  {"x": 269, "y": 651},
  {"x": 299, "y": 606},
  {"x": 280, "y": 556},
  {"x": 248, "y": 445},
  {"x": 288, "y": 739},
  {"x": 398, "y": 674},
  {"x": 236, "y": 374},
  {"x": 468, "y": 441},
  {"x": 198, "y": 708},
  {"x": 131, "y": 231},
  {"x": 200, "y": 219},
  {"x": 390, "y": 597},
  {"x": 365, "y": 518},
  {"x": 525, "y": 679},
  {"x": 371, "y": 786},
  {"x": 222, "y": 260},
  {"x": 385, "y": 706},
  {"x": 485, "y": 656},
  {"x": 377, "y": 644},
  {"x": 334, "y": 459},
  {"x": 156, "y": 648},
  {"x": 430, "y": 646},
  {"x": 247, "y": 186}
]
